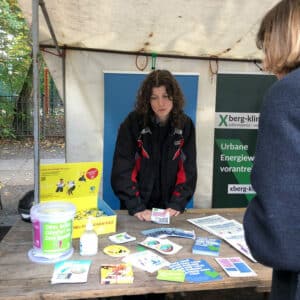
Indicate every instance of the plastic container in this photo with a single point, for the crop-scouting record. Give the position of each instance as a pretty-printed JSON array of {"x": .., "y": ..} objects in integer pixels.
[
  {"x": 89, "y": 240},
  {"x": 52, "y": 224}
]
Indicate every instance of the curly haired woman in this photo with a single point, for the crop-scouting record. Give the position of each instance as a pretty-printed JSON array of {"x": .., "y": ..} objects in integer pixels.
[{"x": 155, "y": 156}]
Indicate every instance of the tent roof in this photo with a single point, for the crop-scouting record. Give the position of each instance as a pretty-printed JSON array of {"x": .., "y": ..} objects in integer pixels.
[{"x": 198, "y": 28}]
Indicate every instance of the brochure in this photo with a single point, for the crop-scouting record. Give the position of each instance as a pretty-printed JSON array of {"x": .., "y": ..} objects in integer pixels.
[
  {"x": 235, "y": 267},
  {"x": 165, "y": 232},
  {"x": 116, "y": 273},
  {"x": 206, "y": 246},
  {"x": 71, "y": 271},
  {"x": 160, "y": 216},
  {"x": 121, "y": 237},
  {"x": 225, "y": 229},
  {"x": 238, "y": 242},
  {"x": 209, "y": 220},
  {"x": 146, "y": 260},
  {"x": 196, "y": 270},
  {"x": 229, "y": 230},
  {"x": 163, "y": 246}
]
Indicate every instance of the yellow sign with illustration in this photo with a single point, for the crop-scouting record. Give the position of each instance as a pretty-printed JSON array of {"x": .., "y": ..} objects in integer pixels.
[
  {"x": 75, "y": 182},
  {"x": 78, "y": 183}
]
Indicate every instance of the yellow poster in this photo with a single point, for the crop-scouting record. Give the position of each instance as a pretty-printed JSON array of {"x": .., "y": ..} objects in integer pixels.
[{"x": 73, "y": 182}]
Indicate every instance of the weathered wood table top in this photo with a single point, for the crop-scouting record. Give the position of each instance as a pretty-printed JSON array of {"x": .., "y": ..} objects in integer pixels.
[{"x": 22, "y": 279}]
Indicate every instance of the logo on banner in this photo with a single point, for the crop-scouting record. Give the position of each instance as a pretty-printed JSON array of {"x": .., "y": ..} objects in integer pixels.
[
  {"x": 240, "y": 189},
  {"x": 231, "y": 120}
]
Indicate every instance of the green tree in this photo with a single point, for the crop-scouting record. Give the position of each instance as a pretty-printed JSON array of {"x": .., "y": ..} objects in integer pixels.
[
  {"x": 15, "y": 47},
  {"x": 16, "y": 72},
  {"x": 15, "y": 65}
]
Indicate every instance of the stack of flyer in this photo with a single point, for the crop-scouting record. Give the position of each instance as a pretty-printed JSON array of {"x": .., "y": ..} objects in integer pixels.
[
  {"x": 169, "y": 231},
  {"x": 206, "y": 246},
  {"x": 235, "y": 267},
  {"x": 71, "y": 271},
  {"x": 229, "y": 230},
  {"x": 160, "y": 216},
  {"x": 116, "y": 273}
]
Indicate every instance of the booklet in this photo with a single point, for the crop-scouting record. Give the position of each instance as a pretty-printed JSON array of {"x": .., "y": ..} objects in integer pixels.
[
  {"x": 196, "y": 270},
  {"x": 163, "y": 246},
  {"x": 71, "y": 271},
  {"x": 146, "y": 260},
  {"x": 116, "y": 273},
  {"x": 235, "y": 267},
  {"x": 206, "y": 246},
  {"x": 164, "y": 232}
]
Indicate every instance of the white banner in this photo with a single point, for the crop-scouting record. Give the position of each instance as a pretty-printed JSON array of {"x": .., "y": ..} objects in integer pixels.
[{"x": 231, "y": 120}]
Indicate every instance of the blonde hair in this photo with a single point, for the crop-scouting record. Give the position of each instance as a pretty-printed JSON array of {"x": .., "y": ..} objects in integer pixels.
[{"x": 279, "y": 37}]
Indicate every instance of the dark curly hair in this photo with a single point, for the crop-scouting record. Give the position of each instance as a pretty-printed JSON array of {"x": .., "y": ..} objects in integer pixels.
[{"x": 159, "y": 78}]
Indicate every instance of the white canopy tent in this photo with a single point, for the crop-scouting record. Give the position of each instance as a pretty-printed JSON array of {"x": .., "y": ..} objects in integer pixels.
[
  {"x": 194, "y": 28},
  {"x": 187, "y": 36}
]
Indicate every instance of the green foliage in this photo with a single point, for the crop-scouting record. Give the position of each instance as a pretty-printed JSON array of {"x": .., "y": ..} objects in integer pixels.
[
  {"x": 16, "y": 73},
  {"x": 15, "y": 47},
  {"x": 7, "y": 114}
]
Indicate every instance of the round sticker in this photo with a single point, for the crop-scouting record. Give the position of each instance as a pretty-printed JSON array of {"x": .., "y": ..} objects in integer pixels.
[
  {"x": 153, "y": 243},
  {"x": 166, "y": 248},
  {"x": 92, "y": 173},
  {"x": 116, "y": 250}
]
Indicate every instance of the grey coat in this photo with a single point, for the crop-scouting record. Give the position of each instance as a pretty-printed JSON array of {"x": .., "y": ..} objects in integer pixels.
[{"x": 272, "y": 219}]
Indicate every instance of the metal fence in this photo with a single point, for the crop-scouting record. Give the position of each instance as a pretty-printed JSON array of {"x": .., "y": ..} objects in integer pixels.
[{"x": 16, "y": 117}]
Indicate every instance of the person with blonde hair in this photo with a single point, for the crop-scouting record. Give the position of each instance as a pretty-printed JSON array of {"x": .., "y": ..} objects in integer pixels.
[
  {"x": 272, "y": 218},
  {"x": 154, "y": 164}
]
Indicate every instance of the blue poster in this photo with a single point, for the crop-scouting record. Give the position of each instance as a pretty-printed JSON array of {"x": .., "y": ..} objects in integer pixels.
[{"x": 120, "y": 91}]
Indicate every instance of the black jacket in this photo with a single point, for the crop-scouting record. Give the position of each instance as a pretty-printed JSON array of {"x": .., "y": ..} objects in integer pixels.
[{"x": 135, "y": 165}]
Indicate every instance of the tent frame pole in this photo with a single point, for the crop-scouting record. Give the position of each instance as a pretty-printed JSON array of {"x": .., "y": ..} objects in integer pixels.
[
  {"x": 36, "y": 86},
  {"x": 36, "y": 98},
  {"x": 49, "y": 25}
]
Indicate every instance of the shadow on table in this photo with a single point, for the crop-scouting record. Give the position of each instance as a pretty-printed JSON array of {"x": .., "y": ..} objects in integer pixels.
[{"x": 3, "y": 231}]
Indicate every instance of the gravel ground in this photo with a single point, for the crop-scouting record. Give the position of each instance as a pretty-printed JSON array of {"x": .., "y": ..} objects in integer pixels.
[
  {"x": 16, "y": 171},
  {"x": 23, "y": 149}
]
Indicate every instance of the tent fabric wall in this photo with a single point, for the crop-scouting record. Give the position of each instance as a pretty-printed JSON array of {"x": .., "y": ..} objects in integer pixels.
[{"x": 85, "y": 99}]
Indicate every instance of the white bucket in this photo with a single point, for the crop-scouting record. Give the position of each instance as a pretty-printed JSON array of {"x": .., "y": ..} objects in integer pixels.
[{"x": 52, "y": 225}]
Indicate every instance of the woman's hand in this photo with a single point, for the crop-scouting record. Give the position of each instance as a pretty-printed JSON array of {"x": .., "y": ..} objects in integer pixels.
[
  {"x": 144, "y": 215},
  {"x": 173, "y": 212}
]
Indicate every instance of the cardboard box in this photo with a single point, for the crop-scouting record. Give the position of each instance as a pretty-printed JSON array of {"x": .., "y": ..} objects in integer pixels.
[
  {"x": 103, "y": 224},
  {"x": 78, "y": 183}
]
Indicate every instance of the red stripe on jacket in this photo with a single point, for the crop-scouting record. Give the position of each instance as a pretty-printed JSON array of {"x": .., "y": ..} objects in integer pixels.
[
  {"x": 136, "y": 169},
  {"x": 181, "y": 176}
]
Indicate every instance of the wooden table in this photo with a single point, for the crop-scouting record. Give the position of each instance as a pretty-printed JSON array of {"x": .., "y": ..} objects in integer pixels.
[{"x": 22, "y": 279}]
